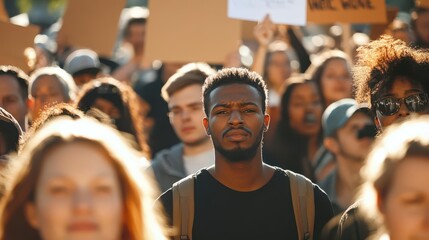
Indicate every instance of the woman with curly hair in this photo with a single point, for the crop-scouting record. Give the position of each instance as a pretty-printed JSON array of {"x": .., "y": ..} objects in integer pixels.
[
  {"x": 121, "y": 103},
  {"x": 392, "y": 78}
]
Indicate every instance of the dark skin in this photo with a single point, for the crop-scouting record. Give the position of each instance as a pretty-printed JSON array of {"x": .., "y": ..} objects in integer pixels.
[{"x": 236, "y": 121}]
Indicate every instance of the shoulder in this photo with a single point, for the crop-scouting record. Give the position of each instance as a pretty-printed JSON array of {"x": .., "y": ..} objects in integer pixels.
[
  {"x": 174, "y": 153},
  {"x": 352, "y": 222},
  {"x": 166, "y": 200}
]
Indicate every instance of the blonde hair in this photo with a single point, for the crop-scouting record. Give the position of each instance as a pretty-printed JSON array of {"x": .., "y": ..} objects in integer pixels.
[
  {"x": 401, "y": 140},
  {"x": 141, "y": 219}
]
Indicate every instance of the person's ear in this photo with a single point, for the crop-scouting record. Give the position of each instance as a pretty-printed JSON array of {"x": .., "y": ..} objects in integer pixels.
[
  {"x": 266, "y": 122},
  {"x": 31, "y": 215},
  {"x": 206, "y": 126},
  {"x": 331, "y": 144},
  {"x": 30, "y": 103}
]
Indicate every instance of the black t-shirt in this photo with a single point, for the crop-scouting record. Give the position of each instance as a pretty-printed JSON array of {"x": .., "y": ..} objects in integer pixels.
[{"x": 266, "y": 213}]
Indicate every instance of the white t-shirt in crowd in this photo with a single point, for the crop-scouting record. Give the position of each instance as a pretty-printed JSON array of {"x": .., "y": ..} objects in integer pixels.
[{"x": 196, "y": 162}]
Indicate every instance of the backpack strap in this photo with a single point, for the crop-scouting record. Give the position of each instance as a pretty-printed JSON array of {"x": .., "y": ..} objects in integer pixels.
[
  {"x": 183, "y": 207},
  {"x": 303, "y": 204}
]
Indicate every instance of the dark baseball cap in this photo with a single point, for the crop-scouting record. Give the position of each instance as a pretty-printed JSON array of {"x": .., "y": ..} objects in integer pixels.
[{"x": 338, "y": 113}]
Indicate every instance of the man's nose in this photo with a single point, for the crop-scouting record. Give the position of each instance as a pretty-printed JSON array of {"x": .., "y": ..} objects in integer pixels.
[{"x": 235, "y": 117}]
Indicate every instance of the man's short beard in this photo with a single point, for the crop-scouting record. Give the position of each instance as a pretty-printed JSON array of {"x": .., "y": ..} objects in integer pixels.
[{"x": 240, "y": 154}]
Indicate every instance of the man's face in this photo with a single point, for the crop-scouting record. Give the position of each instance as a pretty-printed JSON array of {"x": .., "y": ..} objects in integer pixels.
[
  {"x": 136, "y": 36},
  {"x": 186, "y": 114},
  {"x": 236, "y": 121},
  {"x": 422, "y": 27},
  {"x": 83, "y": 78},
  {"x": 46, "y": 91},
  {"x": 349, "y": 146},
  {"x": 11, "y": 99}
]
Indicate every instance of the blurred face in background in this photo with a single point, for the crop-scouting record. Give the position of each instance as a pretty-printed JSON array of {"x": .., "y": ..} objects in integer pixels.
[
  {"x": 405, "y": 206},
  {"x": 278, "y": 70},
  {"x": 135, "y": 36},
  {"x": 12, "y": 99},
  {"x": 348, "y": 144},
  {"x": 77, "y": 195},
  {"x": 422, "y": 27},
  {"x": 186, "y": 114},
  {"x": 46, "y": 91},
  {"x": 336, "y": 81},
  {"x": 107, "y": 107},
  {"x": 305, "y": 109}
]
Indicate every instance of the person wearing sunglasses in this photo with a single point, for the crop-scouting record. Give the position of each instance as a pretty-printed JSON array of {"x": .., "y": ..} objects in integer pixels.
[{"x": 392, "y": 78}]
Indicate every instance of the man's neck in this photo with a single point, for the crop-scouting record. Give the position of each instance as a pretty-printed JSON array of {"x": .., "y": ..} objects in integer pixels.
[
  {"x": 192, "y": 150},
  {"x": 348, "y": 180},
  {"x": 242, "y": 176}
]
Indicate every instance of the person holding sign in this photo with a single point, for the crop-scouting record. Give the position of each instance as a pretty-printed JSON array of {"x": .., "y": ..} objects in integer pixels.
[{"x": 273, "y": 62}]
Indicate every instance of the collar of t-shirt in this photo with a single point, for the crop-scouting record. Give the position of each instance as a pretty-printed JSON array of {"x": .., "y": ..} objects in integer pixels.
[{"x": 196, "y": 162}]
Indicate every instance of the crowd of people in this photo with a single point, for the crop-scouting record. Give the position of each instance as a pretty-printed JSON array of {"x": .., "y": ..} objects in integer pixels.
[{"x": 297, "y": 145}]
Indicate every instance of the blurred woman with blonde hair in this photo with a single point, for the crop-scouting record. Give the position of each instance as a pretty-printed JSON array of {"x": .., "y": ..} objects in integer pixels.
[
  {"x": 78, "y": 179},
  {"x": 395, "y": 193}
]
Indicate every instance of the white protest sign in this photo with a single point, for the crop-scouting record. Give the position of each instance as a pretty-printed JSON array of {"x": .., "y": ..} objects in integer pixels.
[{"x": 293, "y": 12}]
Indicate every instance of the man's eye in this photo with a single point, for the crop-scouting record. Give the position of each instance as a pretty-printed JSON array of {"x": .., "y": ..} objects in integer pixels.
[
  {"x": 249, "y": 111},
  {"x": 222, "y": 112},
  {"x": 11, "y": 100}
]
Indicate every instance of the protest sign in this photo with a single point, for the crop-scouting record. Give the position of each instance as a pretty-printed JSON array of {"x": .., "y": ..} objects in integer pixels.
[
  {"x": 15, "y": 39},
  {"x": 291, "y": 12},
  {"x": 92, "y": 24},
  {"x": 346, "y": 11},
  {"x": 190, "y": 30}
]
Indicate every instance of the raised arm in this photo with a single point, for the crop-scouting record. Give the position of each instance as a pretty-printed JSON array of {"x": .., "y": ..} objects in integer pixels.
[{"x": 264, "y": 33}]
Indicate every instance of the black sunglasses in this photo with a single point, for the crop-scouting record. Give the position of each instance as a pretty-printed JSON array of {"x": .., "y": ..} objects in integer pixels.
[{"x": 389, "y": 106}]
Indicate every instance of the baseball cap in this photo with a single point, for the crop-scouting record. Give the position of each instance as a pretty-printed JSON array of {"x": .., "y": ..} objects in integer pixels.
[
  {"x": 80, "y": 60},
  {"x": 338, "y": 113}
]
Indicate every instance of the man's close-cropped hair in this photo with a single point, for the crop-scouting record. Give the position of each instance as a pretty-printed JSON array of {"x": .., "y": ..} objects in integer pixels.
[
  {"x": 191, "y": 73},
  {"x": 383, "y": 60},
  {"x": 229, "y": 76}
]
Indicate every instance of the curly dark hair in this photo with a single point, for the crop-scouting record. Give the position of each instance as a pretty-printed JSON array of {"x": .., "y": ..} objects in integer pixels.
[
  {"x": 131, "y": 107},
  {"x": 380, "y": 62}
]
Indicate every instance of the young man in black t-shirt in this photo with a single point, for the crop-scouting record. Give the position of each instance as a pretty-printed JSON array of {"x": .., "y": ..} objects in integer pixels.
[{"x": 240, "y": 197}]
